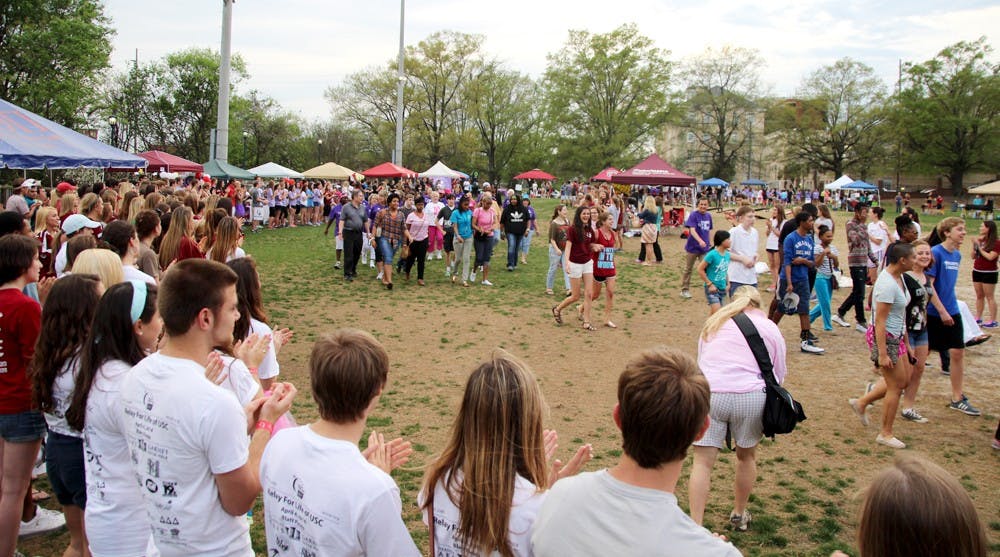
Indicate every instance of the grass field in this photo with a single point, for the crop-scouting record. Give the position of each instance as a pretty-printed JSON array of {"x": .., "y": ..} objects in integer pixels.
[{"x": 806, "y": 497}]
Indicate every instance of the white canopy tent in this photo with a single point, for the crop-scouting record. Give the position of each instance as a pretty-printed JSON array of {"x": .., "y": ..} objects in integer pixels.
[
  {"x": 992, "y": 188},
  {"x": 442, "y": 174},
  {"x": 332, "y": 171},
  {"x": 274, "y": 170},
  {"x": 839, "y": 183}
]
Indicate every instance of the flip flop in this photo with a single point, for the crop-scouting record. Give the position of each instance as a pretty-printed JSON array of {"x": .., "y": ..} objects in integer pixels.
[
  {"x": 557, "y": 315},
  {"x": 610, "y": 325}
]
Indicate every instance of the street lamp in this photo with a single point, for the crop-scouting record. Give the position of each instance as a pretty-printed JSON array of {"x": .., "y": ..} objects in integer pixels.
[
  {"x": 244, "y": 159},
  {"x": 114, "y": 131},
  {"x": 319, "y": 152}
]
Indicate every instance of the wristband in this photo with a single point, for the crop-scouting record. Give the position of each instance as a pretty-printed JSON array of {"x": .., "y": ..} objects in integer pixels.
[
  {"x": 264, "y": 425},
  {"x": 253, "y": 371}
]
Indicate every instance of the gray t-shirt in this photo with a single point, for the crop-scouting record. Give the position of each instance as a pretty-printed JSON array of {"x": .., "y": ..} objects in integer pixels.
[
  {"x": 354, "y": 217},
  {"x": 595, "y": 514},
  {"x": 888, "y": 291}
]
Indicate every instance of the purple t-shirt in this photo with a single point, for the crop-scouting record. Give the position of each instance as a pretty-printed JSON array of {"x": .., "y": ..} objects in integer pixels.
[{"x": 702, "y": 224}]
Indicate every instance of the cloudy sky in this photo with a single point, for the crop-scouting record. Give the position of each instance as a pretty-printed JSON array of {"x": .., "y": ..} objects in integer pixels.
[{"x": 295, "y": 49}]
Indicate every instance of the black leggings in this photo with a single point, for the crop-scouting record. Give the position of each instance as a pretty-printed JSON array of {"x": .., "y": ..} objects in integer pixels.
[
  {"x": 859, "y": 276},
  {"x": 656, "y": 252},
  {"x": 418, "y": 253}
]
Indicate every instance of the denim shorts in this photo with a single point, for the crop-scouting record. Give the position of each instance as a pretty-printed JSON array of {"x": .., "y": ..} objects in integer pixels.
[
  {"x": 919, "y": 339},
  {"x": 64, "y": 465},
  {"x": 717, "y": 297},
  {"x": 801, "y": 288},
  {"x": 385, "y": 249},
  {"x": 24, "y": 427}
]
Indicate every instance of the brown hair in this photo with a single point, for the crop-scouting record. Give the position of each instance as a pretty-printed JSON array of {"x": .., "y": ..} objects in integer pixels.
[
  {"x": 945, "y": 226},
  {"x": 145, "y": 223},
  {"x": 743, "y": 209},
  {"x": 663, "y": 400},
  {"x": 77, "y": 245},
  {"x": 251, "y": 304},
  {"x": 170, "y": 244},
  {"x": 916, "y": 509},
  {"x": 347, "y": 370},
  {"x": 188, "y": 287},
  {"x": 497, "y": 435},
  {"x": 17, "y": 254}
]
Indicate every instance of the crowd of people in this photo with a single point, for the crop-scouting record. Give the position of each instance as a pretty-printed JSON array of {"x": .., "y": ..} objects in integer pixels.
[{"x": 136, "y": 345}]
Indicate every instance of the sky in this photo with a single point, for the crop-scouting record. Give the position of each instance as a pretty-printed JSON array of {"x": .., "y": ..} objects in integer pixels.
[{"x": 296, "y": 49}]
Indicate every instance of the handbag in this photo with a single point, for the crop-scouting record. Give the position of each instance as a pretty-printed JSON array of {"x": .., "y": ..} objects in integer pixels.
[
  {"x": 404, "y": 253},
  {"x": 781, "y": 412}
]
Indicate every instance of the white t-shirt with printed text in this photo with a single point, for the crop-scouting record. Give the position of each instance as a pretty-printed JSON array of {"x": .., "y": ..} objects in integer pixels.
[{"x": 269, "y": 366}]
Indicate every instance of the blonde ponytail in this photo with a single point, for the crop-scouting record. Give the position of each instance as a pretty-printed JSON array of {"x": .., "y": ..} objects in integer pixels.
[{"x": 744, "y": 297}]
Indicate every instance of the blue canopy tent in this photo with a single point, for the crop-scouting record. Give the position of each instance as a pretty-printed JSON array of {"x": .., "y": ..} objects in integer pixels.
[
  {"x": 714, "y": 183},
  {"x": 860, "y": 185},
  {"x": 753, "y": 182},
  {"x": 28, "y": 141}
]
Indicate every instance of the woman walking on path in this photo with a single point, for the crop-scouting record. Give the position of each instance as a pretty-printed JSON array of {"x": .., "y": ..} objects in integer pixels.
[
  {"x": 737, "y": 402},
  {"x": 985, "y": 250},
  {"x": 888, "y": 342},
  {"x": 579, "y": 266},
  {"x": 389, "y": 236},
  {"x": 417, "y": 236},
  {"x": 649, "y": 218},
  {"x": 532, "y": 228},
  {"x": 484, "y": 222},
  {"x": 827, "y": 261},
  {"x": 461, "y": 225},
  {"x": 557, "y": 246},
  {"x": 604, "y": 265}
]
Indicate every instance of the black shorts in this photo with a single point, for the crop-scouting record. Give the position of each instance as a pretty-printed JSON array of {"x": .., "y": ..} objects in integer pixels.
[
  {"x": 602, "y": 279},
  {"x": 65, "y": 469},
  {"x": 942, "y": 337},
  {"x": 984, "y": 277},
  {"x": 449, "y": 242}
]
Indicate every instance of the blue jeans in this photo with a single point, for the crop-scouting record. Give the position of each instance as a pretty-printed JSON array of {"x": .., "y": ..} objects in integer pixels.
[
  {"x": 555, "y": 261},
  {"x": 386, "y": 249},
  {"x": 513, "y": 243},
  {"x": 824, "y": 292},
  {"x": 734, "y": 285},
  {"x": 526, "y": 241}
]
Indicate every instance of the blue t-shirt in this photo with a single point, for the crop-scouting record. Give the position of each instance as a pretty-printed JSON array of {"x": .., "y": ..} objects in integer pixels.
[
  {"x": 795, "y": 246},
  {"x": 702, "y": 225},
  {"x": 717, "y": 268},
  {"x": 945, "y": 273},
  {"x": 464, "y": 221}
]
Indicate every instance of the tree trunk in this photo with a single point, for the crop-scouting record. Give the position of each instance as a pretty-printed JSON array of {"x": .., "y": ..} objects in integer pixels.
[{"x": 956, "y": 178}]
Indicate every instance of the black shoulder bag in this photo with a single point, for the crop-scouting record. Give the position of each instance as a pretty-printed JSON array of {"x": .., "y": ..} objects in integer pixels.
[{"x": 781, "y": 411}]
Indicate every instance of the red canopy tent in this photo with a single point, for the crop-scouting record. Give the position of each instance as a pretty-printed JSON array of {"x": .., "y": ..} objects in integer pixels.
[
  {"x": 160, "y": 161},
  {"x": 653, "y": 171},
  {"x": 389, "y": 170},
  {"x": 534, "y": 174},
  {"x": 605, "y": 175}
]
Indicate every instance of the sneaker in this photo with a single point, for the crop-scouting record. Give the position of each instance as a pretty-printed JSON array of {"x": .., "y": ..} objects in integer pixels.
[
  {"x": 996, "y": 444},
  {"x": 472, "y": 277},
  {"x": 861, "y": 416},
  {"x": 836, "y": 318},
  {"x": 810, "y": 348},
  {"x": 811, "y": 337},
  {"x": 337, "y": 265},
  {"x": 946, "y": 372},
  {"x": 439, "y": 255},
  {"x": 965, "y": 407},
  {"x": 45, "y": 522},
  {"x": 740, "y": 522},
  {"x": 379, "y": 276},
  {"x": 486, "y": 283},
  {"x": 509, "y": 268},
  {"x": 890, "y": 442},
  {"x": 447, "y": 271},
  {"x": 914, "y": 416},
  {"x": 685, "y": 294},
  {"x": 371, "y": 264},
  {"x": 861, "y": 327},
  {"x": 990, "y": 324}
]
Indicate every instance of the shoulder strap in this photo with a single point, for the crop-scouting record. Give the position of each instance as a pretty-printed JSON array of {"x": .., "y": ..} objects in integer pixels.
[
  {"x": 430, "y": 515},
  {"x": 757, "y": 347}
]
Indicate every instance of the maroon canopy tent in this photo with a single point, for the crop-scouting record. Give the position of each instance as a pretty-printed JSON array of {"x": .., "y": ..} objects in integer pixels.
[
  {"x": 605, "y": 175},
  {"x": 389, "y": 170},
  {"x": 534, "y": 174},
  {"x": 165, "y": 162},
  {"x": 653, "y": 171}
]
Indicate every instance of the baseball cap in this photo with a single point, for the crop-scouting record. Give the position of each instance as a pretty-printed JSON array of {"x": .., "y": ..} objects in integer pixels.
[
  {"x": 64, "y": 187},
  {"x": 74, "y": 223},
  {"x": 790, "y": 302},
  {"x": 30, "y": 183}
]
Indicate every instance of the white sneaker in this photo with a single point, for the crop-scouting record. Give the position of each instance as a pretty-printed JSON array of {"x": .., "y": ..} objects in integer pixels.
[
  {"x": 861, "y": 328},
  {"x": 371, "y": 264},
  {"x": 439, "y": 255},
  {"x": 486, "y": 283},
  {"x": 836, "y": 318},
  {"x": 685, "y": 294},
  {"x": 472, "y": 277},
  {"x": 890, "y": 442},
  {"x": 45, "y": 522},
  {"x": 379, "y": 277},
  {"x": 810, "y": 348}
]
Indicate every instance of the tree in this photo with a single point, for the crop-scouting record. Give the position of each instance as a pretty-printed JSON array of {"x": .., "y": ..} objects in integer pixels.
[
  {"x": 606, "y": 96},
  {"x": 271, "y": 133},
  {"x": 722, "y": 87},
  {"x": 128, "y": 98},
  {"x": 947, "y": 111},
  {"x": 836, "y": 126},
  {"x": 52, "y": 53},
  {"x": 367, "y": 99},
  {"x": 504, "y": 108}
]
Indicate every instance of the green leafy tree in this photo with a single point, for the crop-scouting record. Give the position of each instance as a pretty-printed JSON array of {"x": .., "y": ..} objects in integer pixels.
[
  {"x": 367, "y": 100},
  {"x": 503, "y": 106},
  {"x": 52, "y": 54},
  {"x": 947, "y": 111},
  {"x": 272, "y": 133},
  {"x": 128, "y": 97},
  {"x": 606, "y": 97}
]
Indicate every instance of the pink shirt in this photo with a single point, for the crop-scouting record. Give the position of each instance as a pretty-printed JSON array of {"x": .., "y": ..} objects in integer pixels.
[
  {"x": 483, "y": 218},
  {"x": 728, "y": 363},
  {"x": 417, "y": 227}
]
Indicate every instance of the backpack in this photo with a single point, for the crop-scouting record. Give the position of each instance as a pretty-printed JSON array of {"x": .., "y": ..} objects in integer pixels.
[{"x": 781, "y": 412}]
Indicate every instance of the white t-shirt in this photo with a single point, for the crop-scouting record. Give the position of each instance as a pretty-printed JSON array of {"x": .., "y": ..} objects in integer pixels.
[
  {"x": 744, "y": 242},
  {"x": 117, "y": 525},
  {"x": 879, "y": 231},
  {"x": 131, "y": 273},
  {"x": 321, "y": 497},
  {"x": 182, "y": 430},
  {"x": 235, "y": 254},
  {"x": 239, "y": 380},
  {"x": 595, "y": 514},
  {"x": 268, "y": 367},
  {"x": 524, "y": 508},
  {"x": 59, "y": 267},
  {"x": 62, "y": 394}
]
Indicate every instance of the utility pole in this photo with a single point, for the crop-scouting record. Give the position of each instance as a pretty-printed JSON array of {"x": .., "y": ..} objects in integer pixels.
[
  {"x": 400, "y": 79},
  {"x": 221, "y": 151}
]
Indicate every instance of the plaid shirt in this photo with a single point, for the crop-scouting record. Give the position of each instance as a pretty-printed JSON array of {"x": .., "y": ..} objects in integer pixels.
[
  {"x": 860, "y": 251},
  {"x": 392, "y": 228}
]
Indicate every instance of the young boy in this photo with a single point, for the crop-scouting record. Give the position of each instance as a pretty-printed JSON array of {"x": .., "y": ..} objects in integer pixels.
[
  {"x": 743, "y": 250},
  {"x": 714, "y": 270},
  {"x": 630, "y": 509},
  {"x": 799, "y": 257},
  {"x": 321, "y": 497},
  {"x": 699, "y": 224}
]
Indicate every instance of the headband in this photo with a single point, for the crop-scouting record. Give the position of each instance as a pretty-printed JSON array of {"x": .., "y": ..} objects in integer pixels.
[{"x": 138, "y": 299}]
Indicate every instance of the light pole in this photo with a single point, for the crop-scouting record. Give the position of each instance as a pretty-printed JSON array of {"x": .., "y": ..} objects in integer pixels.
[
  {"x": 398, "y": 153},
  {"x": 750, "y": 143},
  {"x": 244, "y": 159},
  {"x": 114, "y": 131},
  {"x": 319, "y": 152}
]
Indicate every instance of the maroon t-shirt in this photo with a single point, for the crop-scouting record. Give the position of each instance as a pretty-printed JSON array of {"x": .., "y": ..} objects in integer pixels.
[
  {"x": 580, "y": 251},
  {"x": 20, "y": 323}
]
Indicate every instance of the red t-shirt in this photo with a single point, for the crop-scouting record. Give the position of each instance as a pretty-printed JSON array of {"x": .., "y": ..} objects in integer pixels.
[
  {"x": 604, "y": 260},
  {"x": 980, "y": 263},
  {"x": 579, "y": 252},
  {"x": 20, "y": 323},
  {"x": 188, "y": 250}
]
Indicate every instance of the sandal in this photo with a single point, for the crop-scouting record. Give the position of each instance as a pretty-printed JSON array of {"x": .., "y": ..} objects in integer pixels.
[
  {"x": 549, "y": 291},
  {"x": 557, "y": 315},
  {"x": 588, "y": 327},
  {"x": 465, "y": 283},
  {"x": 610, "y": 325},
  {"x": 579, "y": 313}
]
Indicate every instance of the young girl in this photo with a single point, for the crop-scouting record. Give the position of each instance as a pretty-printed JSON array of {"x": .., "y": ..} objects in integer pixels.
[
  {"x": 714, "y": 270},
  {"x": 47, "y": 231},
  {"x": 178, "y": 243},
  {"x": 126, "y": 328},
  {"x": 69, "y": 310},
  {"x": 579, "y": 265},
  {"x": 774, "y": 224},
  {"x": 482, "y": 494},
  {"x": 228, "y": 239},
  {"x": 826, "y": 262},
  {"x": 985, "y": 250}
]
